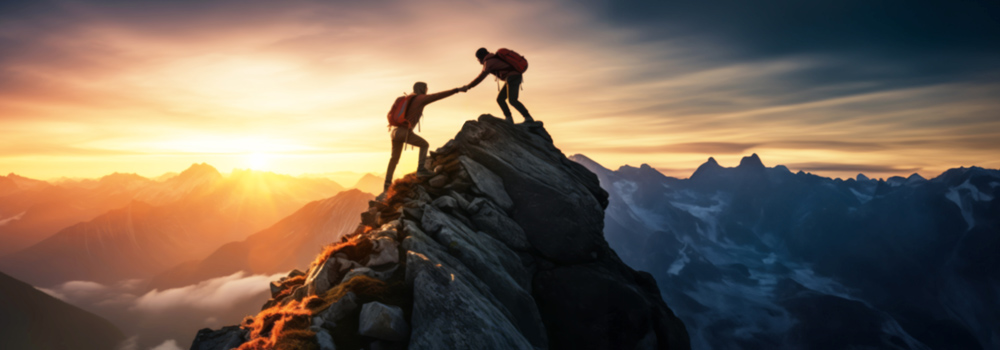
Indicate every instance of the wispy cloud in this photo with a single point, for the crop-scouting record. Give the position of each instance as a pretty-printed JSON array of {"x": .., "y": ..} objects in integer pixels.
[
  {"x": 95, "y": 83},
  {"x": 214, "y": 294}
]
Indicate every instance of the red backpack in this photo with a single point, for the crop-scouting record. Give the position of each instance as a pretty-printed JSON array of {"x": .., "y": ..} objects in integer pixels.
[
  {"x": 397, "y": 115},
  {"x": 514, "y": 59}
]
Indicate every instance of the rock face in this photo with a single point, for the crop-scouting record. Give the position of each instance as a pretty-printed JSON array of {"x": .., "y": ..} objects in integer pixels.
[{"x": 501, "y": 248}]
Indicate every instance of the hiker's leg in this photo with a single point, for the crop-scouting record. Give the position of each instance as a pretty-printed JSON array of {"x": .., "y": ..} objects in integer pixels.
[
  {"x": 502, "y": 101},
  {"x": 397, "y": 149},
  {"x": 419, "y": 142},
  {"x": 514, "y": 82}
]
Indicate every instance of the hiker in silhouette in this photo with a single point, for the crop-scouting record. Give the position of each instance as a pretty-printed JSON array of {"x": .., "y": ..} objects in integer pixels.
[
  {"x": 510, "y": 69},
  {"x": 410, "y": 111}
]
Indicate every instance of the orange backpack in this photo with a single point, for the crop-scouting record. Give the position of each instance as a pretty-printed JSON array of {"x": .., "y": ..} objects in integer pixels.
[
  {"x": 514, "y": 59},
  {"x": 397, "y": 115}
]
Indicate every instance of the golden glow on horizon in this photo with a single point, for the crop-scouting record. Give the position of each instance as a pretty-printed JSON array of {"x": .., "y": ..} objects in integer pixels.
[{"x": 285, "y": 91}]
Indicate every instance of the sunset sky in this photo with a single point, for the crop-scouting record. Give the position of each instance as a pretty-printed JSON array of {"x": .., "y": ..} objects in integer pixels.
[{"x": 884, "y": 88}]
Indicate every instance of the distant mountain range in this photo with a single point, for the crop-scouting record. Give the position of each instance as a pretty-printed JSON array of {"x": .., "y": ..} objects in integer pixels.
[
  {"x": 758, "y": 257},
  {"x": 32, "y": 210},
  {"x": 289, "y": 244},
  {"x": 141, "y": 227}
]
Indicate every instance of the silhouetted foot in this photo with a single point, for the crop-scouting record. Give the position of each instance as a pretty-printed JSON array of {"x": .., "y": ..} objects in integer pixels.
[
  {"x": 381, "y": 197},
  {"x": 509, "y": 119}
]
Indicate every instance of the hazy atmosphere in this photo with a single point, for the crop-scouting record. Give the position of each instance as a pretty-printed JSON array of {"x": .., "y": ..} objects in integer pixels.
[{"x": 90, "y": 88}]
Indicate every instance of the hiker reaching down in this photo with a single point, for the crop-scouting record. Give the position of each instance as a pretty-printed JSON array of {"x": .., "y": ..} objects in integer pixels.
[
  {"x": 508, "y": 66},
  {"x": 403, "y": 117}
]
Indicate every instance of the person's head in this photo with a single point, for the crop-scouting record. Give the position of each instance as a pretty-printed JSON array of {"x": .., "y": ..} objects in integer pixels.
[
  {"x": 481, "y": 54},
  {"x": 420, "y": 88}
]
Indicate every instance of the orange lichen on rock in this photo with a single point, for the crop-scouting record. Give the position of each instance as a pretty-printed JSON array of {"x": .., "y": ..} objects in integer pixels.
[
  {"x": 400, "y": 189},
  {"x": 288, "y": 286},
  {"x": 280, "y": 327},
  {"x": 356, "y": 248}
]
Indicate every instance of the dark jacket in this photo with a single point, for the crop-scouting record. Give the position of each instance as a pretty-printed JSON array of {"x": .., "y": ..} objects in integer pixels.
[{"x": 496, "y": 66}]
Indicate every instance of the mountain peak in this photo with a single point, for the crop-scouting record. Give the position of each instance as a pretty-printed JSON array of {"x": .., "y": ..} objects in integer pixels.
[
  {"x": 586, "y": 161},
  {"x": 509, "y": 227},
  {"x": 708, "y": 169},
  {"x": 751, "y": 162},
  {"x": 198, "y": 170}
]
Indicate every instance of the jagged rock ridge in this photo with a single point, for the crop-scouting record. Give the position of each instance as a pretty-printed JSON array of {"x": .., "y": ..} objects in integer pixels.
[{"x": 501, "y": 249}]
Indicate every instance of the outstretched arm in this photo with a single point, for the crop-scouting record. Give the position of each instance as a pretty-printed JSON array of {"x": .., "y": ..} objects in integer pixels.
[
  {"x": 478, "y": 79},
  {"x": 439, "y": 95}
]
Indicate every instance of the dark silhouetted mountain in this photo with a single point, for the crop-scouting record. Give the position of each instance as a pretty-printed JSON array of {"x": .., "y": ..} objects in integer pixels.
[
  {"x": 371, "y": 183},
  {"x": 31, "y": 319},
  {"x": 200, "y": 211},
  {"x": 502, "y": 248},
  {"x": 291, "y": 243},
  {"x": 756, "y": 257}
]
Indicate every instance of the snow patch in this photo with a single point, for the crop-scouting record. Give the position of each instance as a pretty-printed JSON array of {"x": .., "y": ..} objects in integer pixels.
[
  {"x": 705, "y": 214},
  {"x": 770, "y": 259},
  {"x": 808, "y": 278},
  {"x": 863, "y": 198},
  {"x": 955, "y": 195},
  {"x": 625, "y": 189},
  {"x": 678, "y": 265},
  {"x": 12, "y": 218}
]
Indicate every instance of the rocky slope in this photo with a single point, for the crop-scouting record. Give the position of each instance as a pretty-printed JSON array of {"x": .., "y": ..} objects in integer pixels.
[
  {"x": 30, "y": 319},
  {"x": 502, "y": 248},
  {"x": 760, "y": 257}
]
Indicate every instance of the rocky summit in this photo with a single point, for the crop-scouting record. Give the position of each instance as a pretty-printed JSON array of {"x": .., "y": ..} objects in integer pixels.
[{"x": 501, "y": 248}]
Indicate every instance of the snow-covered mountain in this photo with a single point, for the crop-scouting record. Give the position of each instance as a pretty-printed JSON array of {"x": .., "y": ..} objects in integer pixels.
[{"x": 757, "y": 257}]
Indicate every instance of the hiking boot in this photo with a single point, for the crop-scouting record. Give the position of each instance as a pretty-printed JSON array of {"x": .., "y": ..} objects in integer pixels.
[
  {"x": 381, "y": 197},
  {"x": 509, "y": 119}
]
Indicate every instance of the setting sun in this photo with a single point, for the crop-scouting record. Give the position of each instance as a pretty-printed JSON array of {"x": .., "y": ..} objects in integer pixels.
[{"x": 257, "y": 161}]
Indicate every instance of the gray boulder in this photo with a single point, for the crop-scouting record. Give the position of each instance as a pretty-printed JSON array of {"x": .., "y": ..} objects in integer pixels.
[
  {"x": 323, "y": 277},
  {"x": 487, "y": 183},
  {"x": 494, "y": 222},
  {"x": 385, "y": 251},
  {"x": 383, "y": 322},
  {"x": 341, "y": 308},
  {"x": 225, "y": 338}
]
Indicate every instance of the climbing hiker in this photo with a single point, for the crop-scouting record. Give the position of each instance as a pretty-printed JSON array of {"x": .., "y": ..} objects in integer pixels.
[
  {"x": 508, "y": 66},
  {"x": 403, "y": 117}
]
